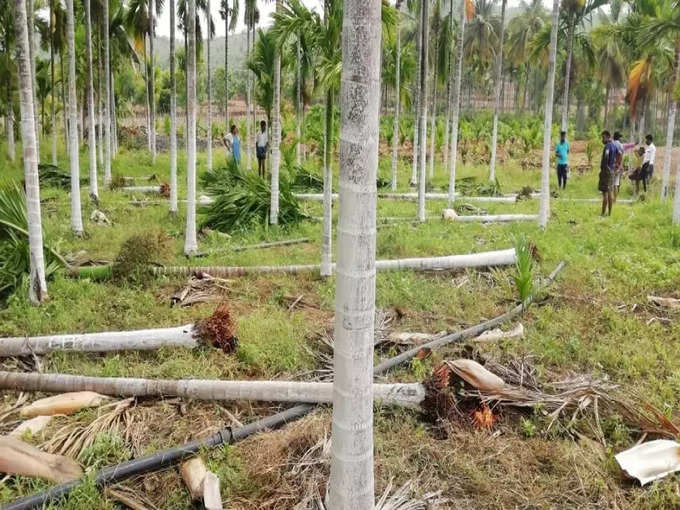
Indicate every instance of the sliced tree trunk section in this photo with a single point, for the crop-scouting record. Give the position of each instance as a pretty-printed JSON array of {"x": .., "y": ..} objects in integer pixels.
[
  {"x": 483, "y": 259},
  {"x": 19, "y": 458},
  {"x": 142, "y": 340},
  {"x": 201, "y": 389}
]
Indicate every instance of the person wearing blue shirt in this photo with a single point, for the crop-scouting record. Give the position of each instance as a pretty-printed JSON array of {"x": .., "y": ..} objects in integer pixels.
[{"x": 562, "y": 152}]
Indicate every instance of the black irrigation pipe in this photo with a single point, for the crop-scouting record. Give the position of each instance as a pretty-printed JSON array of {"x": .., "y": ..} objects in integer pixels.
[{"x": 171, "y": 456}]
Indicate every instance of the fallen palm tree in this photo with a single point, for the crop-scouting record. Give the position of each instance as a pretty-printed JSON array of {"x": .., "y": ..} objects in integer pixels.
[
  {"x": 163, "y": 189},
  {"x": 218, "y": 330},
  {"x": 318, "y": 197},
  {"x": 201, "y": 389},
  {"x": 446, "y": 263},
  {"x": 229, "y": 435},
  {"x": 451, "y": 215},
  {"x": 258, "y": 246}
]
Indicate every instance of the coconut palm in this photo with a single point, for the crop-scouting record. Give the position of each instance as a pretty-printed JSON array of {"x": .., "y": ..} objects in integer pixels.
[
  {"x": 37, "y": 284},
  {"x": 76, "y": 213},
  {"x": 351, "y": 480},
  {"x": 544, "y": 211},
  {"x": 466, "y": 11},
  {"x": 92, "y": 148},
  {"x": 497, "y": 93},
  {"x": 230, "y": 16},
  {"x": 610, "y": 55},
  {"x": 190, "y": 241}
]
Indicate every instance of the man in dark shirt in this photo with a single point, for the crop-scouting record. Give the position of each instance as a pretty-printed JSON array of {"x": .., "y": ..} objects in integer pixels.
[{"x": 607, "y": 169}]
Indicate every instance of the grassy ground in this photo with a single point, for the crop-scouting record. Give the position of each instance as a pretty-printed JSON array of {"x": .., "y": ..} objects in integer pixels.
[{"x": 595, "y": 320}]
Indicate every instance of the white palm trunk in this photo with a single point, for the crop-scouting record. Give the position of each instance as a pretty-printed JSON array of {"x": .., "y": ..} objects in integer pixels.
[
  {"x": 249, "y": 99},
  {"x": 91, "y": 137},
  {"x": 107, "y": 99},
  {"x": 544, "y": 209},
  {"x": 351, "y": 482},
  {"x": 76, "y": 212},
  {"x": 114, "y": 125},
  {"x": 453, "y": 154},
  {"x": 53, "y": 106},
  {"x": 190, "y": 241},
  {"x": 433, "y": 122},
  {"x": 100, "y": 103},
  {"x": 676, "y": 200},
  {"x": 276, "y": 135},
  {"x": 152, "y": 88},
  {"x": 497, "y": 96},
  {"x": 9, "y": 130},
  {"x": 226, "y": 65},
  {"x": 397, "y": 105},
  {"x": 173, "y": 115},
  {"x": 670, "y": 130},
  {"x": 402, "y": 394},
  {"x": 298, "y": 109},
  {"x": 422, "y": 121},
  {"x": 37, "y": 290},
  {"x": 34, "y": 87},
  {"x": 209, "y": 156},
  {"x": 567, "y": 78},
  {"x": 449, "y": 103},
  {"x": 327, "y": 227},
  {"x": 417, "y": 106}
]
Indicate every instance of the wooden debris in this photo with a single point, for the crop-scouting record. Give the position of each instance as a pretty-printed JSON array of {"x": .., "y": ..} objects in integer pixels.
[
  {"x": 19, "y": 458},
  {"x": 406, "y": 338},
  {"x": 665, "y": 302},
  {"x": 212, "y": 500},
  {"x": 34, "y": 426},
  {"x": 498, "y": 334},
  {"x": 193, "y": 473},
  {"x": 650, "y": 461},
  {"x": 66, "y": 403},
  {"x": 100, "y": 218},
  {"x": 476, "y": 375},
  {"x": 201, "y": 288}
]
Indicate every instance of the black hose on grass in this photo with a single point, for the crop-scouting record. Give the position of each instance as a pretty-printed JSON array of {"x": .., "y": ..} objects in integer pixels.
[{"x": 165, "y": 458}]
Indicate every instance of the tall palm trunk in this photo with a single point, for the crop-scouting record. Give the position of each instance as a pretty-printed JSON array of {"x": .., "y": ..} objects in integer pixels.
[
  {"x": 186, "y": 89},
  {"x": 497, "y": 96},
  {"x": 248, "y": 98},
  {"x": 397, "y": 103},
  {"x": 114, "y": 116},
  {"x": 276, "y": 134},
  {"x": 152, "y": 80},
  {"x": 173, "y": 115},
  {"x": 298, "y": 106},
  {"x": 31, "y": 52},
  {"x": 76, "y": 212},
  {"x": 416, "y": 113},
  {"x": 190, "y": 241},
  {"x": 37, "y": 291},
  {"x": 449, "y": 96},
  {"x": 64, "y": 115},
  {"x": 107, "y": 99},
  {"x": 676, "y": 200},
  {"x": 226, "y": 66},
  {"x": 544, "y": 210},
  {"x": 670, "y": 129},
  {"x": 147, "y": 81},
  {"x": 53, "y": 106},
  {"x": 567, "y": 78},
  {"x": 453, "y": 154},
  {"x": 327, "y": 228},
  {"x": 422, "y": 120},
  {"x": 100, "y": 102},
  {"x": 92, "y": 144},
  {"x": 351, "y": 480},
  {"x": 209, "y": 162},
  {"x": 9, "y": 127},
  {"x": 433, "y": 120}
]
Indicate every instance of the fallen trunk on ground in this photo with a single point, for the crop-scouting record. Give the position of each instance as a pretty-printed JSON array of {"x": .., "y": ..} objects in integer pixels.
[
  {"x": 318, "y": 197},
  {"x": 165, "y": 458},
  {"x": 259, "y": 246},
  {"x": 483, "y": 259},
  {"x": 69, "y": 403},
  {"x": 141, "y": 189},
  {"x": 451, "y": 215},
  {"x": 217, "y": 330},
  {"x": 201, "y": 389},
  {"x": 19, "y": 458}
]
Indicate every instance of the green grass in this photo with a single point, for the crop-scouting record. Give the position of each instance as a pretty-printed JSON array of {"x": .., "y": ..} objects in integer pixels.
[{"x": 588, "y": 321}]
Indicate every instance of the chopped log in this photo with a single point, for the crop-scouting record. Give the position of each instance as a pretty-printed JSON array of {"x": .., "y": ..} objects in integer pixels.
[
  {"x": 193, "y": 473},
  {"x": 68, "y": 403},
  {"x": 19, "y": 458},
  {"x": 212, "y": 499},
  {"x": 201, "y": 389},
  {"x": 274, "y": 244},
  {"x": 483, "y": 259},
  {"x": 34, "y": 425}
]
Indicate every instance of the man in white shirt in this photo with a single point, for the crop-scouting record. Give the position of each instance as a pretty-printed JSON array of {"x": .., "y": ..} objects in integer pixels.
[
  {"x": 648, "y": 161},
  {"x": 261, "y": 148}
]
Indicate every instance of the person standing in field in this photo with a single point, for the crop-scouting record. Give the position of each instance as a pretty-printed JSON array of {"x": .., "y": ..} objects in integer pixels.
[
  {"x": 235, "y": 144},
  {"x": 618, "y": 169},
  {"x": 607, "y": 168},
  {"x": 261, "y": 148},
  {"x": 648, "y": 161},
  {"x": 562, "y": 152}
]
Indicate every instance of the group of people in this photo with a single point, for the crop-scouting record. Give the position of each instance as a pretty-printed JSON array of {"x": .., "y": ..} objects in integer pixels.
[
  {"x": 612, "y": 167},
  {"x": 232, "y": 141}
]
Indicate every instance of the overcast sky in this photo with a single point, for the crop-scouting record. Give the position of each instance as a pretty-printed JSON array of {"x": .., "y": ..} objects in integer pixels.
[{"x": 266, "y": 8}]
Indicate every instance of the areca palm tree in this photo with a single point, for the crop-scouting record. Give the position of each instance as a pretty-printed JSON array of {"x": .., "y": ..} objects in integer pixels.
[
  {"x": 497, "y": 93},
  {"x": 276, "y": 134},
  {"x": 94, "y": 190},
  {"x": 422, "y": 117},
  {"x": 544, "y": 210},
  {"x": 76, "y": 212},
  {"x": 8, "y": 71},
  {"x": 351, "y": 483},
  {"x": 30, "y": 6},
  {"x": 397, "y": 106},
  {"x": 208, "y": 15},
  {"x": 229, "y": 14},
  {"x": 173, "y": 115},
  {"x": 37, "y": 284},
  {"x": 190, "y": 241},
  {"x": 107, "y": 97},
  {"x": 251, "y": 17}
]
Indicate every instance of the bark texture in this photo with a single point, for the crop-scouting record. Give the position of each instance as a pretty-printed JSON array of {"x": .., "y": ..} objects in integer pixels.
[
  {"x": 37, "y": 291},
  {"x": 544, "y": 209},
  {"x": 351, "y": 481}
]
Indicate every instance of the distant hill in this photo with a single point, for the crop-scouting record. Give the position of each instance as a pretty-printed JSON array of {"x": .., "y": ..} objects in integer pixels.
[{"x": 237, "y": 50}]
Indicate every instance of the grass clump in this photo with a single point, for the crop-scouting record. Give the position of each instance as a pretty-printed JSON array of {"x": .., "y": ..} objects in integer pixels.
[{"x": 242, "y": 200}]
